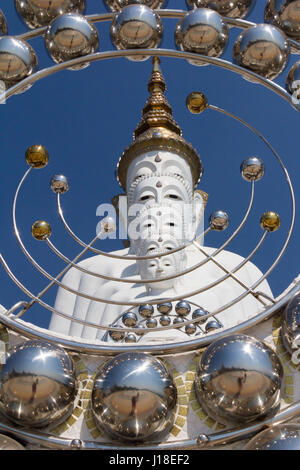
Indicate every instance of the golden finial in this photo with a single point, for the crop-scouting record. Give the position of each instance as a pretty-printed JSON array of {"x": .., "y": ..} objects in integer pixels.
[{"x": 157, "y": 112}]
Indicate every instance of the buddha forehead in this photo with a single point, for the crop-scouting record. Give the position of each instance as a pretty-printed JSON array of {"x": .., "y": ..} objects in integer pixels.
[{"x": 159, "y": 162}]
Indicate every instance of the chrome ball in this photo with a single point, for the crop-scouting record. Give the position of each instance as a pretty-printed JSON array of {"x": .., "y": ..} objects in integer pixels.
[
  {"x": 219, "y": 221},
  {"x": 239, "y": 379},
  {"x": 165, "y": 320},
  {"x": 137, "y": 330},
  {"x": 129, "y": 319},
  {"x": 203, "y": 32},
  {"x": 70, "y": 36},
  {"x": 7, "y": 443},
  {"x": 199, "y": 313},
  {"x": 117, "y": 335},
  {"x": 165, "y": 308},
  {"x": 178, "y": 321},
  {"x": 134, "y": 397},
  {"x": 136, "y": 27},
  {"x": 263, "y": 49},
  {"x": 280, "y": 437},
  {"x": 117, "y": 5},
  {"x": 231, "y": 8},
  {"x": 285, "y": 14},
  {"x": 293, "y": 83},
  {"x": 130, "y": 338},
  {"x": 37, "y": 384},
  {"x": 38, "y": 13},
  {"x": 41, "y": 230},
  {"x": 212, "y": 325},
  {"x": 18, "y": 60},
  {"x": 290, "y": 330},
  {"x": 146, "y": 311},
  {"x": 59, "y": 184},
  {"x": 151, "y": 323},
  {"x": 182, "y": 308},
  {"x": 252, "y": 169},
  {"x": 190, "y": 329},
  {"x": 3, "y": 24}
]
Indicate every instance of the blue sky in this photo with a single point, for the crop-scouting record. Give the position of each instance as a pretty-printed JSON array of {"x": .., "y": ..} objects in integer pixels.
[{"x": 86, "y": 119}]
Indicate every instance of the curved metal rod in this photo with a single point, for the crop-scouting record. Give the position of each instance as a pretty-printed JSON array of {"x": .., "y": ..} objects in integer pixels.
[
  {"x": 154, "y": 53},
  {"x": 109, "y": 301},
  {"x": 203, "y": 441},
  {"x": 112, "y": 255},
  {"x": 163, "y": 13},
  {"x": 31, "y": 331}
]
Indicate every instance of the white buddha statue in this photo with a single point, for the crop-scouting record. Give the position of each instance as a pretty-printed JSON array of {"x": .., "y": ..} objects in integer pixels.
[{"x": 159, "y": 172}]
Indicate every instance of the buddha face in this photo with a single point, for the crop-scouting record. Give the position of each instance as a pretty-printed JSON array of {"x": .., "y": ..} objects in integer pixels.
[{"x": 156, "y": 268}]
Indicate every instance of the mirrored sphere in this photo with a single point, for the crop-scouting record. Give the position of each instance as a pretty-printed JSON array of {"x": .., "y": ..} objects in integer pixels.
[
  {"x": 117, "y": 5},
  {"x": 293, "y": 83},
  {"x": 59, "y": 184},
  {"x": 37, "y": 13},
  {"x": 239, "y": 379},
  {"x": 37, "y": 156},
  {"x": 70, "y": 36},
  {"x": 37, "y": 384},
  {"x": 117, "y": 335},
  {"x": 136, "y": 27},
  {"x": 151, "y": 323},
  {"x": 252, "y": 169},
  {"x": 133, "y": 397},
  {"x": 182, "y": 308},
  {"x": 291, "y": 324},
  {"x": 17, "y": 60},
  {"x": 178, "y": 320},
  {"x": 3, "y": 24},
  {"x": 285, "y": 14},
  {"x": 280, "y": 437},
  {"x": 270, "y": 221},
  {"x": 199, "y": 313},
  {"x": 146, "y": 311},
  {"x": 190, "y": 329},
  {"x": 231, "y": 8},
  {"x": 41, "y": 230},
  {"x": 219, "y": 220},
  {"x": 7, "y": 443},
  {"x": 212, "y": 325},
  {"x": 263, "y": 49},
  {"x": 202, "y": 31},
  {"x": 130, "y": 338},
  {"x": 129, "y": 319},
  {"x": 164, "y": 307},
  {"x": 196, "y": 102},
  {"x": 165, "y": 320}
]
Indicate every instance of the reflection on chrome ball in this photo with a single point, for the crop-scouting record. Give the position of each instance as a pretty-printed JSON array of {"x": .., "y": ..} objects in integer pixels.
[
  {"x": 203, "y": 32},
  {"x": 280, "y": 437},
  {"x": 263, "y": 49},
  {"x": 239, "y": 379},
  {"x": 70, "y": 36},
  {"x": 134, "y": 397},
  {"x": 117, "y": 5},
  {"x": 37, "y": 384},
  {"x": 136, "y": 27},
  {"x": 18, "y": 60},
  {"x": 38, "y": 13},
  {"x": 3, "y": 24},
  {"x": 291, "y": 324},
  {"x": 285, "y": 14},
  {"x": 230, "y": 8}
]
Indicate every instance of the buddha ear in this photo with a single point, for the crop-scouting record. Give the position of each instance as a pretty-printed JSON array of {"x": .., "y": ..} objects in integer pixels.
[{"x": 200, "y": 200}]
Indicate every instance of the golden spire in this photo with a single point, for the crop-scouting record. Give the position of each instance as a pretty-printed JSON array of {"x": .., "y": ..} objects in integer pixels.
[
  {"x": 158, "y": 130},
  {"x": 157, "y": 112}
]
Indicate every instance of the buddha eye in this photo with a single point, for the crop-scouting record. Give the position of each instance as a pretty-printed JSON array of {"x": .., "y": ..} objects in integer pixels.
[
  {"x": 145, "y": 198},
  {"x": 171, "y": 224}
]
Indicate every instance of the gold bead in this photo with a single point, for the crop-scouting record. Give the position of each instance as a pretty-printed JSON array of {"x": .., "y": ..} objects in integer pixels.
[
  {"x": 41, "y": 230},
  {"x": 196, "y": 102},
  {"x": 270, "y": 221},
  {"x": 37, "y": 156}
]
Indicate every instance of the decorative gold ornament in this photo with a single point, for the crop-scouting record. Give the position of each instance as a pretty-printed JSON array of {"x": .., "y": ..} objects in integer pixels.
[
  {"x": 196, "y": 102},
  {"x": 270, "y": 221},
  {"x": 37, "y": 156},
  {"x": 41, "y": 230},
  {"x": 158, "y": 130}
]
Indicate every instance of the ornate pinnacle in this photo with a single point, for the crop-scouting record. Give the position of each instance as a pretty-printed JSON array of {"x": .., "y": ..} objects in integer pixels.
[{"x": 157, "y": 112}]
